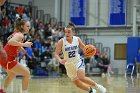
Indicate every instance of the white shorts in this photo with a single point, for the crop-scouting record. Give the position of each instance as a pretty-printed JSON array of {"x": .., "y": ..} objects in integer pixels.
[{"x": 72, "y": 68}]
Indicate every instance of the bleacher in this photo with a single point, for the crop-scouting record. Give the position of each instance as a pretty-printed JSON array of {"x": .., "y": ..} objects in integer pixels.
[{"x": 39, "y": 21}]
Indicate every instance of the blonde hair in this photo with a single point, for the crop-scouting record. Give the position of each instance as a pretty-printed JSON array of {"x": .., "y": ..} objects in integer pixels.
[
  {"x": 19, "y": 25},
  {"x": 71, "y": 25}
]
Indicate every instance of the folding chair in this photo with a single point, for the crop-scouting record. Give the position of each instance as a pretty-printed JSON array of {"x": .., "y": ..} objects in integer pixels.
[{"x": 132, "y": 70}]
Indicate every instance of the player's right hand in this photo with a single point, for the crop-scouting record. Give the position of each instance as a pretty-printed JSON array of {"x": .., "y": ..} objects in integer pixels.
[
  {"x": 28, "y": 44},
  {"x": 63, "y": 61}
]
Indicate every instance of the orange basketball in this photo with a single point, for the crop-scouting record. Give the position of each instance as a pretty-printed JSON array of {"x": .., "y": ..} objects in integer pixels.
[{"x": 89, "y": 50}]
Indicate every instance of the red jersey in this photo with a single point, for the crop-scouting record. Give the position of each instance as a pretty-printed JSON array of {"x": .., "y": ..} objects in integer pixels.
[{"x": 12, "y": 53}]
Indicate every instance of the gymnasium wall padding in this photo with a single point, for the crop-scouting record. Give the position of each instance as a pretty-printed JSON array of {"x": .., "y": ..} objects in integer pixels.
[{"x": 133, "y": 43}]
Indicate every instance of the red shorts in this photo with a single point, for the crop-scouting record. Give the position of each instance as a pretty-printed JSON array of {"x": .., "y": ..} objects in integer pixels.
[{"x": 9, "y": 64}]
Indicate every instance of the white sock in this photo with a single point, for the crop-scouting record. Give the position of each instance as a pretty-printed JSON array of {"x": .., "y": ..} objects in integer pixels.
[
  {"x": 96, "y": 85},
  {"x": 25, "y": 91}
]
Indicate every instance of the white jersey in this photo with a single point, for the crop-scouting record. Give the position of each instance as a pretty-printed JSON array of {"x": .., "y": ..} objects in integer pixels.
[{"x": 71, "y": 50}]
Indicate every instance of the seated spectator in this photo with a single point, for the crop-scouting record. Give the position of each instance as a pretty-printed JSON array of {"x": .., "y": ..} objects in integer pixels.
[
  {"x": 97, "y": 52},
  {"x": 29, "y": 53},
  {"x": 106, "y": 64},
  {"x": 21, "y": 56},
  {"x": 87, "y": 64},
  {"x": 99, "y": 61},
  {"x": 23, "y": 61},
  {"x": 5, "y": 22},
  {"x": 37, "y": 46},
  {"x": 103, "y": 63},
  {"x": 91, "y": 64},
  {"x": 53, "y": 64},
  {"x": 137, "y": 61},
  {"x": 20, "y": 10},
  {"x": 25, "y": 17},
  {"x": 1, "y": 16},
  {"x": 62, "y": 68},
  {"x": 44, "y": 46},
  {"x": 30, "y": 58},
  {"x": 46, "y": 56}
]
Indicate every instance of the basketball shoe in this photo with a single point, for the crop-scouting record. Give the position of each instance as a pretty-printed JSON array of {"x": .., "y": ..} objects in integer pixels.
[
  {"x": 92, "y": 90},
  {"x": 101, "y": 88},
  {"x": 1, "y": 91}
]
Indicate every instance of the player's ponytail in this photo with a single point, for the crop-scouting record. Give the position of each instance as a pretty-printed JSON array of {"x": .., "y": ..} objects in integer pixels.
[{"x": 19, "y": 25}]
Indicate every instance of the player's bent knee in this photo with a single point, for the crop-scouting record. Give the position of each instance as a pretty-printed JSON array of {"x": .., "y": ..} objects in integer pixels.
[
  {"x": 27, "y": 74},
  {"x": 82, "y": 77},
  {"x": 11, "y": 77}
]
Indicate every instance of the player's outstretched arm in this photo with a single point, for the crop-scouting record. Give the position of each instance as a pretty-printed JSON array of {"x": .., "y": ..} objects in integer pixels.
[{"x": 16, "y": 41}]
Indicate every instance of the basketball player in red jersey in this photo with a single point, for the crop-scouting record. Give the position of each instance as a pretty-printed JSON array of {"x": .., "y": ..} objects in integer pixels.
[
  {"x": 3, "y": 55},
  {"x": 14, "y": 44},
  {"x": 2, "y": 52}
]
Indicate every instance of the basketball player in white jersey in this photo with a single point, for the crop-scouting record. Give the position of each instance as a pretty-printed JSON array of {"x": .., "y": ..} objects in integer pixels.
[{"x": 75, "y": 67}]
